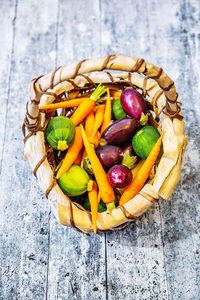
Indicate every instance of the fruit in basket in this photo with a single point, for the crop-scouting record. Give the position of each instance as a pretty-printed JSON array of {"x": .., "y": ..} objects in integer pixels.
[
  {"x": 75, "y": 181},
  {"x": 60, "y": 133},
  {"x": 133, "y": 103},
  {"x": 119, "y": 176},
  {"x": 118, "y": 111},
  {"x": 144, "y": 140},
  {"x": 109, "y": 155},
  {"x": 119, "y": 132}
]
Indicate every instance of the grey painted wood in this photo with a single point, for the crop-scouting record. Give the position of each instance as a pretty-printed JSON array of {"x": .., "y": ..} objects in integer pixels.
[
  {"x": 6, "y": 52},
  {"x": 136, "y": 267},
  {"x": 77, "y": 261},
  {"x": 24, "y": 223},
  {"x": 180, "y": 218},
  {"x": 157, "y": 257}
]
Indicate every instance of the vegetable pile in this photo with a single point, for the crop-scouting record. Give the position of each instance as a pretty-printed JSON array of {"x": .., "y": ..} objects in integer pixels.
[{"x": 103, "y": 146}]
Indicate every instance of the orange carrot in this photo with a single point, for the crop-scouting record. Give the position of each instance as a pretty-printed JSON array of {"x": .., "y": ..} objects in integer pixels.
[
  {"x": 87, "y": 106},
  {"x": 63, "y": 104},
  {"x": 82, "y": 111},
  {"x": 93, "y": 198},
  {"x": 139, "y": 180},
  {"x": 72, "y": 153},
  {"x": 116, "y": 95},
  {"x": 107, "y": 115},
  {"x": 73, "y": 94},
  {"x": 99, "y": 116},
  {"x": 105, "y": 188},
  {"x": 95, "y": 140},
  {"x": 89, "y": 125},
  {"x": 79, "y": 158}
]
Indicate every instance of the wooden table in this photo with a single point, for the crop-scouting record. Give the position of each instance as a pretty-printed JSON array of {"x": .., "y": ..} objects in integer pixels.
[{"x": 158, "y": 256}]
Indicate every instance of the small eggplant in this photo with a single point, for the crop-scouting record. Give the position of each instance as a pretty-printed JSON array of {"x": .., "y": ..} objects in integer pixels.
[
  {"x": 128, "y": 148},
  {"x": 119, "y": 176},
  {"x": 109, "y": 155},
  {"x": 133, "y": 103},
  {"x": 119, "y": 132}
]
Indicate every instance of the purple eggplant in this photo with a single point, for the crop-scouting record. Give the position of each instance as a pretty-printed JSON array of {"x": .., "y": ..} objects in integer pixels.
[
  {"x": 133, "y": 103},
  {"x": 109, "y": 155},
  {"x": 119, "y": 176},
  {"x": 119, "y": 132},
  {"x": 128, "y": 148}
]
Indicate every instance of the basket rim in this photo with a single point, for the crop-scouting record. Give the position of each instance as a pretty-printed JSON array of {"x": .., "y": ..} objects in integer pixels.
[{"x": 44, "y": 89}]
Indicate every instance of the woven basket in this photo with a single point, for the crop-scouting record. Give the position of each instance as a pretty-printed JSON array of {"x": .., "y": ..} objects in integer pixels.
[{"x": 160, "y": 92}]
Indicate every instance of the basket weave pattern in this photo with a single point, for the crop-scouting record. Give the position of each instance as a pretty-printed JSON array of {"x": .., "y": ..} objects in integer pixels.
[{"x": 162, "y": 97}]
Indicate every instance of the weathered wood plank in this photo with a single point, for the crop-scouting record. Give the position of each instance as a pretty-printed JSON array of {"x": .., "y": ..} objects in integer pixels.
[
  {"x": 6, "y": 52},
  {"x": 77, "y": 261},
  {"x": 135, "y": 260},
  {"x": 180, "y": 218},
  {"x": 137, "y": 266},
  {"x": 24, "y": 223}
]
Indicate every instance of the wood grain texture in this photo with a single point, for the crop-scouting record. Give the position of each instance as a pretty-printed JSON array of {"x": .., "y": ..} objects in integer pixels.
[
  {"x": 24, "y": 219},
  {"x": 158, "y": 256},
  {"x": 180, "y": 218},
  {"x": 6, "y": 53},
  {"x": 138, "y": 273}
]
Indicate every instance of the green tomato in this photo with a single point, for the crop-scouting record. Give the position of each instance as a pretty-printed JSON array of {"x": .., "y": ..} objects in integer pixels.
[{"x": 118, "y": 111}]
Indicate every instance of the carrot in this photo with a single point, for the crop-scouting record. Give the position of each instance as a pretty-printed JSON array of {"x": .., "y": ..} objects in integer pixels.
[
  {"x": 73, "y": 94},
  {"x": 135, "y": 170},
  {"x": 107, "y": 115},
  {"x": 116, "y": 94},
  {"x": 72, "y": 153},
  {"x": 87, "y": 106},
  {"x": 105, "y": 188},
  {"x": 93, "y": 198},
  {"x": 95, "y": 140},
  {"x": 82, "y": 111},
  {"x": 139, "y": 180},
  {"x": 63, "y": 104},
  {"x": 89, "y": 125},
  {"x": 79, "y": 158},
  {"x": 99, "y": 116}
]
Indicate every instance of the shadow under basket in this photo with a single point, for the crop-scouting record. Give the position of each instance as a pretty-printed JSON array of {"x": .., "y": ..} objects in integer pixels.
[{"x": 76, "y": 80}]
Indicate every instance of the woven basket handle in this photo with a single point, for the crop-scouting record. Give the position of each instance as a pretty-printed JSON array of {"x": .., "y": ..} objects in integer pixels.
[{"x": 42, "y": 84}]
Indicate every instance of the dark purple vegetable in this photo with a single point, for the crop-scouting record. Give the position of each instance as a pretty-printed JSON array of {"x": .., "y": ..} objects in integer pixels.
[
  {"x": 119, "y": 132},
  {"x": 109, "y": 155},
  {"x": 119, "y": 176},
  {"x": 133, "y": 103},
  {"x": 128, "y": 148}
]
